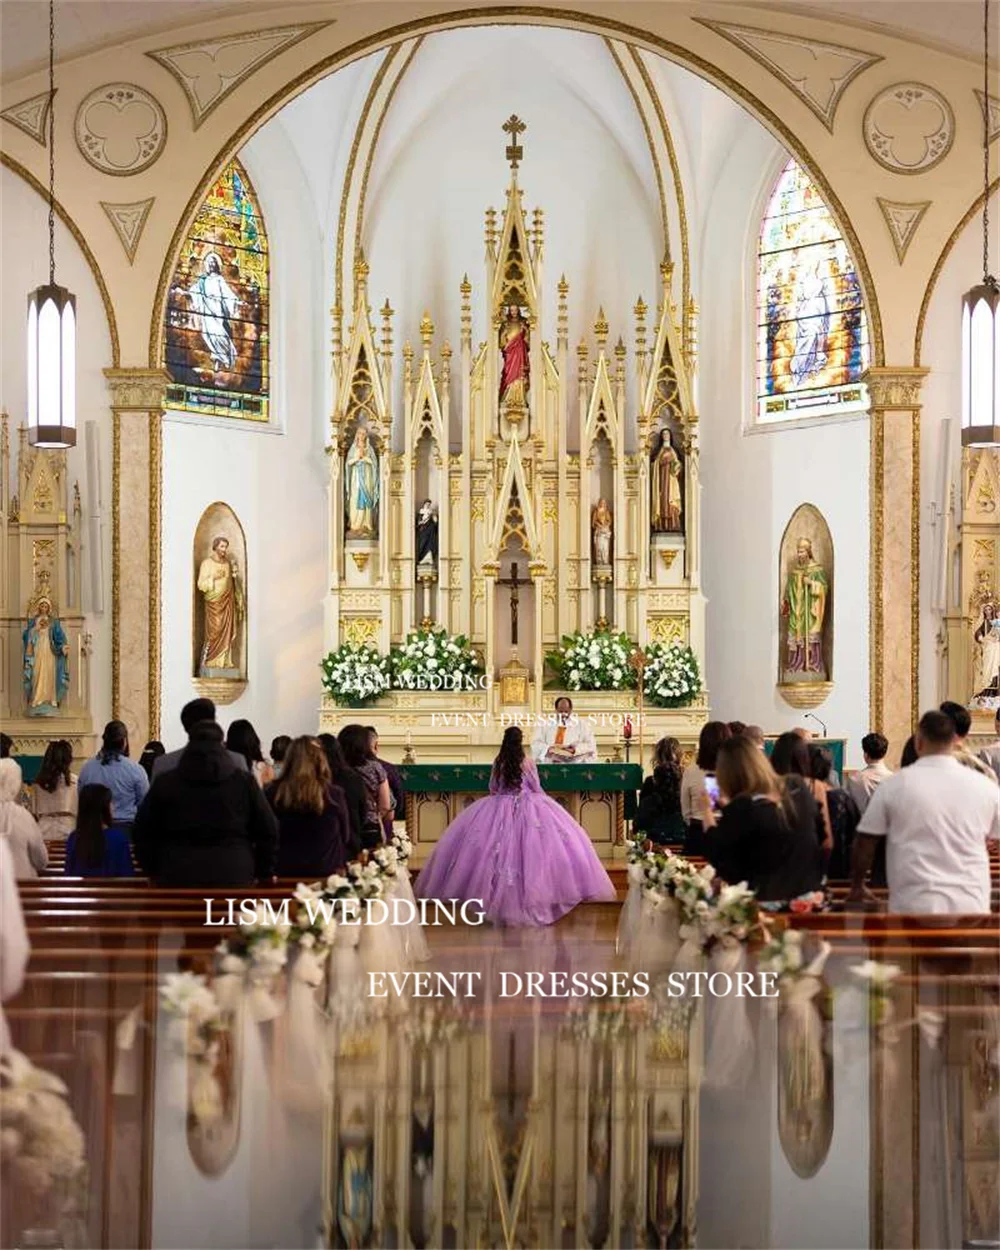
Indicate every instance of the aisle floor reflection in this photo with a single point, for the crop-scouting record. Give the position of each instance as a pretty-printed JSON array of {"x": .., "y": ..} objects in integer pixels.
[{"x": 859, "y": 1108}]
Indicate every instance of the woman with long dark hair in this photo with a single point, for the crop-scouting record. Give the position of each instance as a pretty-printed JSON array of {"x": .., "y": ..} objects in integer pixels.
[
  {"x": 243, "y": 739},
  {"x": 516, "y": 852},
  {"x": 96, "y": 848},
  {"x": 151, "y": 752},
  {"x": 355, "y": 793},
  {"x": 112, "y": 767},
  {"x": 764, "y": 832},
  {"x": 314, "y": 833},
  {"x": 53, "y": 796},
  {"x": 699, "y": 779},
  {"x": 355, "y": 742},
  {"x": 790, "y": 759},
  {"x": 659, "y": 815}
]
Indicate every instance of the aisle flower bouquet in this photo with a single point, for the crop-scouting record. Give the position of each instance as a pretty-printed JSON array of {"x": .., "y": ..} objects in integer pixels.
[
  {"x": 595, "y": 661},
  {"x": 671, "y": 677},
  {"x": 433, "y": 659},
  {"x": 41, "y": 1145},
  {"x": 355, "y": 675}
]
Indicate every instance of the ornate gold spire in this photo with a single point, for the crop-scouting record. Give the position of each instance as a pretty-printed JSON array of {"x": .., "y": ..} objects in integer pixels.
[
  {"x": 601, "y": 328},
  {"x": 466, "y": 290},
  {"x": 514, "y": 127},
  {"x": 388, "y": 312},
  {"x": 426, "y": 329}
]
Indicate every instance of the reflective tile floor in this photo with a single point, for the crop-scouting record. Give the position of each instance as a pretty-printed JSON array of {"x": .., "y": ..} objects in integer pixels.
[{"x": 857, "y": 1108}]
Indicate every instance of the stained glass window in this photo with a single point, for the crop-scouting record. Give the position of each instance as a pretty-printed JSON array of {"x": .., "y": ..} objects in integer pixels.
[
  {"x": 216, "y": 333},
  {"x": 812, "y": 331}
]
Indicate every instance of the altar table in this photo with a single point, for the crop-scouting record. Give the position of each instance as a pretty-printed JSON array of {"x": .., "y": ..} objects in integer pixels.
[{"x": 600, "y": 796}]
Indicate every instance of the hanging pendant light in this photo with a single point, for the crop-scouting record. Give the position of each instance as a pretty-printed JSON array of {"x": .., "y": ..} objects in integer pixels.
[
  {"x": 981, "y": 312},
  {"x": 52, "y": 324}
]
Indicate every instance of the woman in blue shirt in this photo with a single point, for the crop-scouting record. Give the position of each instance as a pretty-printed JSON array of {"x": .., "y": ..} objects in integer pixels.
[
  {"x": 96, "y": 848},
  {"x": 111, "y": 767}
]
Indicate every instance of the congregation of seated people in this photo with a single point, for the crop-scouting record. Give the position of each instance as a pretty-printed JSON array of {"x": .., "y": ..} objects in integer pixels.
[
  {"x": 778, "y": 818},
  {"x": 219, "y": 812},
  {"x": 216, "y": 812}
]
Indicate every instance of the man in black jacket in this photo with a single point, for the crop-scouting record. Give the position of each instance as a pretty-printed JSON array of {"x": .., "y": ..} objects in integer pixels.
[
  {"x": 197, "y": 712},
  {"x": 205, "y": 822}
]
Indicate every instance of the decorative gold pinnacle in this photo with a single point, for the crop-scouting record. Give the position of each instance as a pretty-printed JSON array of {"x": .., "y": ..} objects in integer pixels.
[
  {"x": 539, "y": 226},
  {"x": 491, "y": 227},
  {"x": 426, "y": 329},
  {"x": 582, "y": 352},
  {"x": 601, "y": 328},
  {"x": 563, "y": 289},
  {"x": 514, "y": 127},
  {"x": 620, "y": 349},
  {"x": 388, "y": 312},
  {"x": 361, "y": 270},
  {"x": 445, "y": 362}
]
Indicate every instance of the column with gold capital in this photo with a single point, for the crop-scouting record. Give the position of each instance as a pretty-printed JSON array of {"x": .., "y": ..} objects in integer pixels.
[
  {"x": 895, "y": 550},
  {"x": 137, "y": 398}
]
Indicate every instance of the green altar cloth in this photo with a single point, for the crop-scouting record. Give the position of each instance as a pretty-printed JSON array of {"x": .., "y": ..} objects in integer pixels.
[{"x": 557, "y": 778}]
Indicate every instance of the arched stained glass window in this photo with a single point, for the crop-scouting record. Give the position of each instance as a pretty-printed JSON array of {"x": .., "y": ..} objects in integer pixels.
[
  {"x": 812, "y": 331},
  {"x": 216, "y": 333}
]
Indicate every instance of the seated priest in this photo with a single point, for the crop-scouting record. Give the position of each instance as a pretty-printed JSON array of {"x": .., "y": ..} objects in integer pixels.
[{"x": 564, "y": 738}]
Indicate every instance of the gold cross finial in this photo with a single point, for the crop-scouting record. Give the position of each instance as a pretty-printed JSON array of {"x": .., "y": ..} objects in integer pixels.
[{"x": 513, "y": 126}]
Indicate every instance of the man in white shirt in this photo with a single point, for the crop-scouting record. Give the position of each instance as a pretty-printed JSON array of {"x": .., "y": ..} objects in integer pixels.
[
  {"x": 936, "y": 817},
  {"x": 864, "y": 783},
  {"x": 564, "y": 738}
]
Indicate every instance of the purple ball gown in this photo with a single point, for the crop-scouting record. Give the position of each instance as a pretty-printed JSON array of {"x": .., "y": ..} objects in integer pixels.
[{"x": 519, "y": 852}]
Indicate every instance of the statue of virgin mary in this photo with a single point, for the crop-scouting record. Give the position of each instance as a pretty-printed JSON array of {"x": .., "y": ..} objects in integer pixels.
[{"x": 362, "y": 486}]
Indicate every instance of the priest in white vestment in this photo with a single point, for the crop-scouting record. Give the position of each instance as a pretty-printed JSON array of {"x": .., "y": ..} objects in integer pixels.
[{"x": 564, "y": 738}]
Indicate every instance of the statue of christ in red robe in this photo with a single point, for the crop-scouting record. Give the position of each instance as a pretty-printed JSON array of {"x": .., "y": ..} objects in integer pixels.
[{"x": 514, "y": 346}]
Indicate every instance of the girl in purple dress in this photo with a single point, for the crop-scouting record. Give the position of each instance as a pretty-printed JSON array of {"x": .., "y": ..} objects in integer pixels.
[{"x": 517, "y": 851}]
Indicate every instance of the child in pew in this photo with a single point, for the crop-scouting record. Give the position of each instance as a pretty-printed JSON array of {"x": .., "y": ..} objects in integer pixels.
[{"x": 96, "y": 848}]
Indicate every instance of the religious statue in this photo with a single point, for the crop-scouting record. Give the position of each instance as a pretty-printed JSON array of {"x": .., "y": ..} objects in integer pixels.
[
  {"x": 355, "y": 1193},
  {"x": 427, "y": 533},
  {"x": 602, "y": 528},
  {"x": 221, "y": 590},
  {"x": 362, "y": 486},
  {"x": 514, "y": 378},
  {"x": 46, "y": 667},
  {"x": 215, "y": 306},
  {"x": 804, "y": 608},
  {"x": 666, "y": 512},
  {"x": 986, "y": 664}
]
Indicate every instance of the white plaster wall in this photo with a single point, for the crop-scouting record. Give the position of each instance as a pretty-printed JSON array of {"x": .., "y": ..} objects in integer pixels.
[
  {"x": 24, "y": 258},
  {"x": 942, "y": 401},
  {"x": 753, "y": 482},
  {"x": 274, "y": 480}
]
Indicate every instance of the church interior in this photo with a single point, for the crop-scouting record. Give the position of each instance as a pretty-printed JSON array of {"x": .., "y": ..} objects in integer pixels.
[{"x": 602, "y": 373}]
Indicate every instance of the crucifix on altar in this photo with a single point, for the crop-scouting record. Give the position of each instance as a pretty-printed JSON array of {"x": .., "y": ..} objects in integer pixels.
[{"x": 515, "y": 599}]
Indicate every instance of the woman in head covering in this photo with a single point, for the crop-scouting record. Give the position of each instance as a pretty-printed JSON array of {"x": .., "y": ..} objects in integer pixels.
[{"x": 18, "y": 828}]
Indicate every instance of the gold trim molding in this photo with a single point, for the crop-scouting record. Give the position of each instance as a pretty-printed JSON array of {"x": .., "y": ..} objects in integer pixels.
[{"x": 893, "y": 390}]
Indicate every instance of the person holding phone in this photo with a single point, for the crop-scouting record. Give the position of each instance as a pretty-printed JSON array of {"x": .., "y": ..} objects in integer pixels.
[
  {"x": 765, "y": 831},
  {"x": 693, "y": 782}
]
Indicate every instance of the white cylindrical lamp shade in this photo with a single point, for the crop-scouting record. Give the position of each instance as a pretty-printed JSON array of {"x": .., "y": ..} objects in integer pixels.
[
  {"x": 51, "y": 367},
  {"x": 981, "y": 366}
]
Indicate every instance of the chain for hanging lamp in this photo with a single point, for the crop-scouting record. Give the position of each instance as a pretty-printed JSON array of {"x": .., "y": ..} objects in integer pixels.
[
  {"x": 981, "y": 311},
  {"x": 52, "y": 321}
]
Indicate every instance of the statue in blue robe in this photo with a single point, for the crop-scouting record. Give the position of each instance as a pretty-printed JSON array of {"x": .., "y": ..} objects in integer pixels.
[{"x": 46, "y": 663}]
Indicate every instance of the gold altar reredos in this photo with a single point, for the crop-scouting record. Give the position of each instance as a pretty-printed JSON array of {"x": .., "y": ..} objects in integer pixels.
[{"x": 515, "y": 476}]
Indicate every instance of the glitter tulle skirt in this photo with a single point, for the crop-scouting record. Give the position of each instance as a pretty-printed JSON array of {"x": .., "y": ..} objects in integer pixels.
[{"x": 522, "y": 855}]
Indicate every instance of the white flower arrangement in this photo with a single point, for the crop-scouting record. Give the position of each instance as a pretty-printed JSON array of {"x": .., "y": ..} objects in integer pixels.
[
  {"x": 355, "y": 675},
  {"x": 433, "y": 659},
  {"x": 595, "y": 661},
  {"x": 257, "y": 955},
  {"x": 671, "y": 677},
  {"x": 41, "y": 1144}
]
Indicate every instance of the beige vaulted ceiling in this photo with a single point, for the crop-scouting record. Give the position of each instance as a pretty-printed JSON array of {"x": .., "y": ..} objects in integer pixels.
[{"x": 85, "y": 25}]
